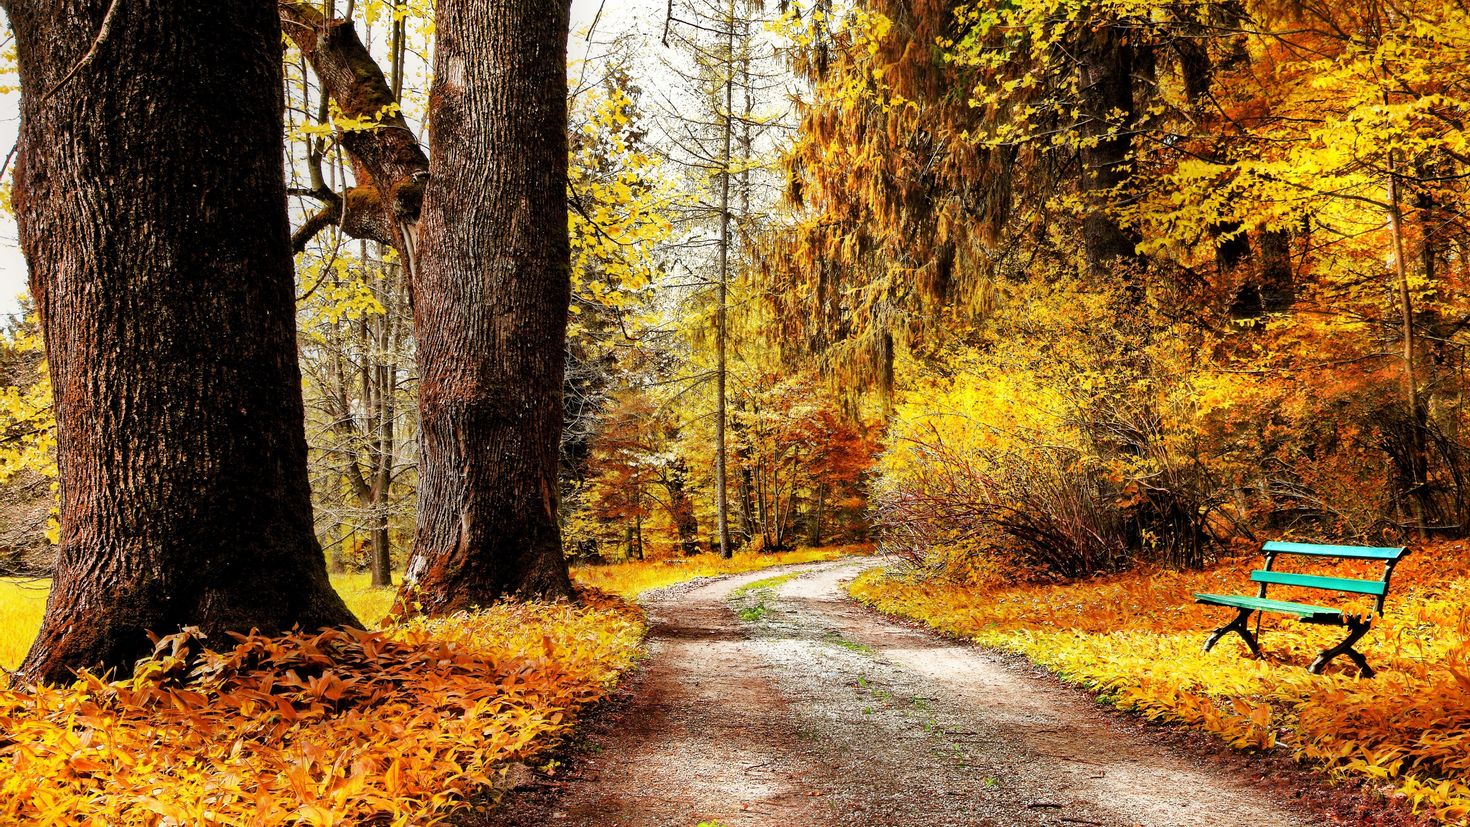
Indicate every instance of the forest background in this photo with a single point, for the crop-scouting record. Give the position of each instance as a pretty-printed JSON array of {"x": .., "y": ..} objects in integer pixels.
[
  {"x": 1070, "y": 286},
  {"x": 1028, "y": 293}
]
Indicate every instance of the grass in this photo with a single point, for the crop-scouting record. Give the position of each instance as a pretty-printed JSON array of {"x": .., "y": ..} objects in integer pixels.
[
  {"x": 768, "y": 583},
  {"x": 754, "y": 596},
  {"x": 23, "y": 600},
  {"x": 851, "y": 645}
]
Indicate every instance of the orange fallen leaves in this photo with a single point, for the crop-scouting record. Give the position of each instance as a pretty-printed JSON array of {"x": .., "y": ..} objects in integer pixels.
[
  {"x": 1136, "y": 639},
  {"x": 398, "y": 727}
]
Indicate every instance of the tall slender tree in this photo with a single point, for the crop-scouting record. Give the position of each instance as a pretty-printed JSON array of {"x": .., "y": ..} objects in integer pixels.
[
  {"x": 723, "y": 57},
  {"x": 151, "y": 204}
]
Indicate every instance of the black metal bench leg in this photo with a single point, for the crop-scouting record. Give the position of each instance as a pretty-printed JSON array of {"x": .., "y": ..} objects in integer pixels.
[
  {"x": 1356, "y": 630},
  {"x": 1241, "y": 626}
]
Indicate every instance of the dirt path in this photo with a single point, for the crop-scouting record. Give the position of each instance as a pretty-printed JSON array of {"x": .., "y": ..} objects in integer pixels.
[{"x": 815, "y": 711}]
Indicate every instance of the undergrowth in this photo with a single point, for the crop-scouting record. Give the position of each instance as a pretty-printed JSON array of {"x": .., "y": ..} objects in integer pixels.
[{"x": 1136, "y": 639}]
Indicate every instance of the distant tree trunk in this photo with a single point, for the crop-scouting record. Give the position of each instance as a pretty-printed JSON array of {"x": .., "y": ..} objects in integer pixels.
[
  {"x": 384, "y": 402},
  {"x": 747, "y": 502},
  {"x": 151, "y": 204},
  {"x": 816, "y": 536},
  {"x": 490, "y": 304},
  {"x": 1277, "y": 290},
  {"x": 1106, "y": 81},
  {"x": 681, "y": 507},
  {"x": 1420, "y": 500},
  {"x": 722, "y": 328}
]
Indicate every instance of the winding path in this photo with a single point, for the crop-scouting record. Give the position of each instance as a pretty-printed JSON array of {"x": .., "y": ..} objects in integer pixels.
[{"x": 816, "y": 711}]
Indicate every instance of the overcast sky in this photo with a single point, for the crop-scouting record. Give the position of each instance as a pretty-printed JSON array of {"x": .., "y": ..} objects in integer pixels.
[{"x": 616, "y": 16}]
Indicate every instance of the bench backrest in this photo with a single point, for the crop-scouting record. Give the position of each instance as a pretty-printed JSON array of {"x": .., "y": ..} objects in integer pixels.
[{"x": 1378, "y": 589}]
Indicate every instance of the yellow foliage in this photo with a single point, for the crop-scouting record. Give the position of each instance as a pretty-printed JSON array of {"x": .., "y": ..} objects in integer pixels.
[
  {"x": 632, "y": 578},
  {"x": 1136, "y": 639},
  {"x": 399, "y": 727}
]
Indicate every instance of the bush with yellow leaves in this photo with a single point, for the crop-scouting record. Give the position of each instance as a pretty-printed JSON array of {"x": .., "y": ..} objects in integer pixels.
[
  {"x": 401, "y": 727},
  {"x": 1136, "y": 637}
]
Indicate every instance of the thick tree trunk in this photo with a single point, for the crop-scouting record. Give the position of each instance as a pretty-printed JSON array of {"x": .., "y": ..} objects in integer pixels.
[
  {"x": 151, "y": 204},
  {"x": 490, "y": 301}
]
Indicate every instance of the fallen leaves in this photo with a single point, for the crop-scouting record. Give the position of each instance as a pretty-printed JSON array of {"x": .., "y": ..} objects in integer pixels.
[
  {"x": 402, "y": 726},
  {"x": 631, "y": 578},
  {"x": 1136, "y": 639}
]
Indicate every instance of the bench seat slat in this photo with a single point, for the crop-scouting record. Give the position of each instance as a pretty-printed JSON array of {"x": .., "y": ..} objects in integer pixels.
[
  {"x": 1304, "y": 610},
  {"x": 1316, "y": 550},
  {"x": 1316, "y": 581}
]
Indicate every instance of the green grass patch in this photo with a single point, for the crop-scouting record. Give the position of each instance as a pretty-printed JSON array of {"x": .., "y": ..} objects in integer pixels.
[
  {"x": 769, "y": 583},
  {"x": 850, "y": 645},
  {"x": 751, "y": 600}
]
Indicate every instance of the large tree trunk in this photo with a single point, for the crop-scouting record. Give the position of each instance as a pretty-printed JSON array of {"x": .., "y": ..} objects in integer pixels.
[
  {"x": 151, "y": 204},
  {"x": 490, "y": 300}
]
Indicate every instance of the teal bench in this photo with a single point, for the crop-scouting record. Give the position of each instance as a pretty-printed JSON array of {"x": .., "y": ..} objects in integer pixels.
[{"x": 1357, "y": 624}]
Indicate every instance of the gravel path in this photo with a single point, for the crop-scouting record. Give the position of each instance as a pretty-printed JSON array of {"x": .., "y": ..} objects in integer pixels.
[{"x": 814, "y": 710}]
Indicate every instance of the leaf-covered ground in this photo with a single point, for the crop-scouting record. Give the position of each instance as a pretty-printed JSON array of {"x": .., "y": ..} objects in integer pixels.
[
  {"x": 406, "y": 725},
  {"x": 1136, "y": 638}
]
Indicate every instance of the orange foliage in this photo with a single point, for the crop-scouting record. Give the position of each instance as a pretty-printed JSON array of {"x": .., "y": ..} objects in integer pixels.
[
  {"x": 1136, "y": 639},
  {"x": 399, "y": 727}
]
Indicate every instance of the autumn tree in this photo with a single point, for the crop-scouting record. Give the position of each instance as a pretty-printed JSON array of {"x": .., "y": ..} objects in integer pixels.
[
  {"x": 27, "y": 448},
  {"x": 160, "y": 263},
  {"x": 719, "y": 134},
  {"x": 487, "y": 259}
]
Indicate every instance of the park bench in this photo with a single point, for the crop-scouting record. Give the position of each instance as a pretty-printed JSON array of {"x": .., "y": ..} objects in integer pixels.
[{"x": 1357, "y": 624}]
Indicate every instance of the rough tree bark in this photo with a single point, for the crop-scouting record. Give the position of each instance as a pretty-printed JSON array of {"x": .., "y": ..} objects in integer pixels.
[
  {"x": 490, "y": 301},
  {"x": 151, "y": 204}
]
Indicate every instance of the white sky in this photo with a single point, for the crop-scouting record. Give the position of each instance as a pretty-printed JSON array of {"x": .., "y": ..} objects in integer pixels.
[{"x": 616, "y": 16}]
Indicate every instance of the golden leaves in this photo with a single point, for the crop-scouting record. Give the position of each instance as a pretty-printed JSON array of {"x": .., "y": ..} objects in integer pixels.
[
  {"x": 331, "y": 728},
  {"x": 631, "y": 579},
  {"x": 1136, "y": 638}
]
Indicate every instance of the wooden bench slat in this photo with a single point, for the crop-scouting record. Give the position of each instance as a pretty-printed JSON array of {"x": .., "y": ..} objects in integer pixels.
[
  {"x": 1237, "y": 601},
  {"x": 1318, "y": 550},
  {"x": 1317, "y": 581}
]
